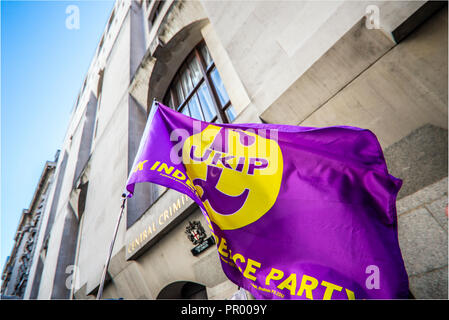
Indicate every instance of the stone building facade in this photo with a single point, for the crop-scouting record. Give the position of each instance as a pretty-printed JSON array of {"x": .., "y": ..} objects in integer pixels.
[
  {"x": 18, "y": 266},
  {"x": 379, "y": 65}
]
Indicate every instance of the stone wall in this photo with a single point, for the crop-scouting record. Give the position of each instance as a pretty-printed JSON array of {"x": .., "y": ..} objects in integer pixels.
[{"x": 422, "y": 227}]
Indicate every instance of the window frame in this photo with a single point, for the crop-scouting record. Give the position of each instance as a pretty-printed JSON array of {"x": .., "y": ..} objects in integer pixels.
[
  {"x": 206, "y": 79},
  {"x": 153, "y": 9}
]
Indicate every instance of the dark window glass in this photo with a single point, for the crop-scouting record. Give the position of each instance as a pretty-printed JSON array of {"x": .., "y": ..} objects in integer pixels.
[
  {"x": 156, "y": 10},
  {"x": 186, "y": 111},
  {"x": 195, "y": 71},
  {"x": 195, "y": 109},
  {"x": 198, "y": 91},
  {"x": 206, "y": 103},
  {"x": 206, "y": 56},
  {"x": 230, "y": 113},
  {"x": 219, "y": 87},
  {"x": 179, "y": 92}
]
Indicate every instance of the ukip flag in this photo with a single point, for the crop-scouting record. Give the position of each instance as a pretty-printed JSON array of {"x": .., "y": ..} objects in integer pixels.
[{"x": 296, "y": 212}]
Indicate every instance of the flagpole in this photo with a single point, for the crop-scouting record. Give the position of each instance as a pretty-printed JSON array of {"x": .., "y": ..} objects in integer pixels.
[{"x": 108, "y": 259}]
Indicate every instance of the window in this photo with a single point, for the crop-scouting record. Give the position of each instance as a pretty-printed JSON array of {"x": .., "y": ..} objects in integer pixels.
[
  {"x": 155, "y": 12},
  {"x": 100, "y": 83},
  {"x": 101, "y": 43},
  {"x": 111, "y": 19},
  {"x": 198, "y": 91}
]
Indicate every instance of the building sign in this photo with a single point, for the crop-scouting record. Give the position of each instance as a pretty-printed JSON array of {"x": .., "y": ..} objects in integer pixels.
[
  {"x": 209, "y": 242},
  {"x": 196, "y": 234},
  {"x": 157, "y": 223}
]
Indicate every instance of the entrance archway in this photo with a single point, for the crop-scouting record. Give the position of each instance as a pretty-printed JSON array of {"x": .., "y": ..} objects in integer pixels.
[{"x": 183, "y": 290}]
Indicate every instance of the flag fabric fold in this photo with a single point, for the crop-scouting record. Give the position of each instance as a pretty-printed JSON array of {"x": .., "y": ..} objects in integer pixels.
[{"x": 296, "y": 212}]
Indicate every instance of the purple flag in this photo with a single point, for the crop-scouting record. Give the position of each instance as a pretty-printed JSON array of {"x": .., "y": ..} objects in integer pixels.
[{"x": 297, "y": 212}]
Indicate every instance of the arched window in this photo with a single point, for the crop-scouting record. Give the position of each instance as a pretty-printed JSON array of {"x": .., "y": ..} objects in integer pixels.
[{"x": 198, "y": 91}]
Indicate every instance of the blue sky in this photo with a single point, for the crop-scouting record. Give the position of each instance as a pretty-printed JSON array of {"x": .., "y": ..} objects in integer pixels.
[{"x": 43, "y": 65}]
